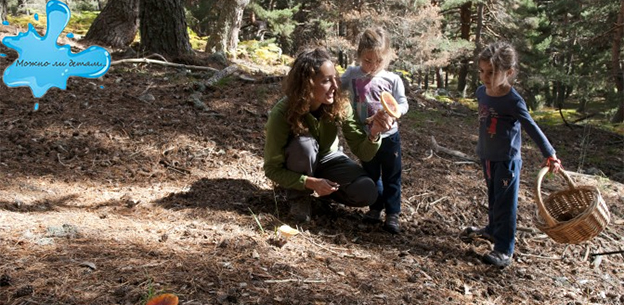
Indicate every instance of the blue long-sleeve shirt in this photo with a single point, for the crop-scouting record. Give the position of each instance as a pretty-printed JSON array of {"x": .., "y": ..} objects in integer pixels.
[{"x": 501, "y": 119}]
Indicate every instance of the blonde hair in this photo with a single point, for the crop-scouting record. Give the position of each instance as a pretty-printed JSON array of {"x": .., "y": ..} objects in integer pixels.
[
  {"x": 376, "y": 40},
  {"x": 298, "y": 87}
]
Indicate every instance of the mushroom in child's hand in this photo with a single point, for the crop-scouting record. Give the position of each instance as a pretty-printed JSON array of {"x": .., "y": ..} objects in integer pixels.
[{"x": 390, "y": 105}]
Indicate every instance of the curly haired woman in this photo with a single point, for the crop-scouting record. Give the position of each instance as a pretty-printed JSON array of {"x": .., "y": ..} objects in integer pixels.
[{"x": 301, "y": 151}]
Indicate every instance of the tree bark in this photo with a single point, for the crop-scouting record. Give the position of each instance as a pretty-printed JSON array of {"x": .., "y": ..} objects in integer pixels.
[
  {"x": 464, "y": 12},
  {"x": 116, "y": 25},
  {"x": 224, "y": 38},
  {"x": 3, "y": 10},
  {"x": 163, "y": 28},
  {"x": 439, "y": 78},
  {"x": 475, "y": 74},
  {"x": 616, "y": 64}
]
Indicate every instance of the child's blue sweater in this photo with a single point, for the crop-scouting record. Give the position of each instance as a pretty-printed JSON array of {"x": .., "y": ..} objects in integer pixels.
[{"x": 500, "y": 121}]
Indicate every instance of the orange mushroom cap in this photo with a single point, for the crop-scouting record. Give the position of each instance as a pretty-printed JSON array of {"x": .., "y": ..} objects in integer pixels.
[
  {"x": 390, "y": 104},
  {"x": 163, "y": 299}
]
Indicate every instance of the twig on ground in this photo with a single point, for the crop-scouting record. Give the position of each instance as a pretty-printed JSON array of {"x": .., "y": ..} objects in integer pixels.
[
  {"x": 332, "y": 251},
  {"x": 526, "y": 229},
  {"x": 295, "y": 280},
  {"x": 608, "y": 253},
  {"x": 58, "y": 156},
  {"x": 429, "y": 156},
  {"x": 160, "y": 62},
  {"x": 436, "y": 201},
  {"x": 451, "y": 152},
  {"x": 146, "y": 89},
  {"x": 539, "y": 256}
]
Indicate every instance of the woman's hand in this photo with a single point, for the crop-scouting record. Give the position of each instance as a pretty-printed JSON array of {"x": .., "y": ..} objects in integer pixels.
[
  {"x": 322, "y": 187},
  {"x": 553, "y": 164}
]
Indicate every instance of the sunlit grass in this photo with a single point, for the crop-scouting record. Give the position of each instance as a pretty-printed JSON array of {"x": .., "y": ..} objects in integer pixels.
[
  {"x": 79, "y": 23},
  {"x": 551, "y": 116},
  {"x": 197, "y": 43}
]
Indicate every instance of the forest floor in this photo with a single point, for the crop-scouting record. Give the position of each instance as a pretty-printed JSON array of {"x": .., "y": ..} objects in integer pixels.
[{"x": 144, "y": 182}]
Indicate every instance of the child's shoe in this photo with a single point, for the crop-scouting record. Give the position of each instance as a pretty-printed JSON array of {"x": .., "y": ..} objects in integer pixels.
[
  {"x": 392, "y": 223},
  {"x": 500, "y": 260},
  {"x": 471, "y": 233}
]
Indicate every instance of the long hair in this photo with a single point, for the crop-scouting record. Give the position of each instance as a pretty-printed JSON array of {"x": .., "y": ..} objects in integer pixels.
[{"x": 298, "y": 87}]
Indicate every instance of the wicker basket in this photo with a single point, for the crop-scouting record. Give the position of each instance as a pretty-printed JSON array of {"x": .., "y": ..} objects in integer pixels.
[{"x": 571, "y": 216}]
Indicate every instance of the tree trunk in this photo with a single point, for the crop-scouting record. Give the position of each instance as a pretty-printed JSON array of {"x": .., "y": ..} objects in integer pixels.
[
  {"x": 475, "y": 73},
  {"x": 163, "y": 28},
  {"x": 116, "y": 25},
  {"x": 439, "y": 78},
  {"x": 224, "y": 37},
  {"x": 3, "y": 10},
  {"x": 616, "y": 64},
  {"x": 464, "y": 13}
]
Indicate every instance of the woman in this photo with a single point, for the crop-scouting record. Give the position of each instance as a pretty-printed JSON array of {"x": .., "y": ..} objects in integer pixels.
[{"x": 301, "y": 152}]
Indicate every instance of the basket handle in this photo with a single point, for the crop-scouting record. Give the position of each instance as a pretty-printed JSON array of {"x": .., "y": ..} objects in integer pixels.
[{"x": 540, "y": 204}]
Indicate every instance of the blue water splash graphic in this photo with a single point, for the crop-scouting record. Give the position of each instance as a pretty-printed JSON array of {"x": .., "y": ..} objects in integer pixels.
[
  {"x": 37, "y": 16},
  {"x": 4, "y": 23},
  {"x": 70, "y": 35},
  {"x": 36, "y": 106},
  {"x": 43, "y": 64}
]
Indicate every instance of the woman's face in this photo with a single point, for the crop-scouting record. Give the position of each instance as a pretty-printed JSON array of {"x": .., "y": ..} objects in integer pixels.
[{"x": 325, "y": 84}]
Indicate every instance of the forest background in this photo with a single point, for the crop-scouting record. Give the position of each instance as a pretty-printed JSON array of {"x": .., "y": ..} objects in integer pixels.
[
  {"x": 149, "y": 179},
  {"x": 570, "y": 51}
]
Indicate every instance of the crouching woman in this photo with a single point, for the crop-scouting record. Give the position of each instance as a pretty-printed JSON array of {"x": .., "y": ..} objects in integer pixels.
[{"x": 301, "y": 151}]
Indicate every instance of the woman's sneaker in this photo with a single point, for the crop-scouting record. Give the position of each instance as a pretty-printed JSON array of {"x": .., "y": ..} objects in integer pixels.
[
  {"x": 300, "y": 209},
  {"x": 372, "y": 216},
  {"x": 500, "y": 260},
  {"x": 471, "y": 233}
]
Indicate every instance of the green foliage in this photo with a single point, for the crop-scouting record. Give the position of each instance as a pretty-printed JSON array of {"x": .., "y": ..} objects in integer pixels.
[
  {"x": 197, "y": 42},
  {"x": 405, "y": 74},
  {"x": 224, "y": 82},
  {"x": 79, "y": 23},
  {"x": 22, "y": 21},
  {"x": 469, "y": 102},
  {"x": 551, "y": 116},
  {"x": 257, "y": 220},
  {"x": 444, "y": 99},
  {"x": 150, "y": 292},
  {"x": 261, "y": 52},
  {"x": 422, "y": 119},
  {"x": 280, "y": 20}
]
